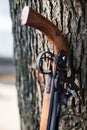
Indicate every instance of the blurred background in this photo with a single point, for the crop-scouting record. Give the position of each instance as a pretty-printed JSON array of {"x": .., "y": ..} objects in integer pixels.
[{"x": 9, "y": 114}]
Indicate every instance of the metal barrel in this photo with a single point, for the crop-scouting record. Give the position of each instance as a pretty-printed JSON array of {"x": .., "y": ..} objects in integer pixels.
[{"x": 54, "y": 111}]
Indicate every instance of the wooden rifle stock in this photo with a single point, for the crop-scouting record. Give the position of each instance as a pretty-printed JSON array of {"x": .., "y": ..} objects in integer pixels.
[
  {"x": 33, "y": 19},
  {"x": 55, "y": 37}
]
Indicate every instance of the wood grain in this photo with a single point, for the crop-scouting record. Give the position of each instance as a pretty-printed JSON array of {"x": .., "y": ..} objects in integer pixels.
[{"x": 54, "y": 35}]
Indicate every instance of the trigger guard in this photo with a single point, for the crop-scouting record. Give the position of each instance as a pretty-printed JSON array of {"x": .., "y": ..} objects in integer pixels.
[{"x": 38, "y": 66}]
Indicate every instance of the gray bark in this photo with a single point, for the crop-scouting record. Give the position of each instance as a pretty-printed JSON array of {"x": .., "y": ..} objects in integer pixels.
[{"x": 71, "y": 18}]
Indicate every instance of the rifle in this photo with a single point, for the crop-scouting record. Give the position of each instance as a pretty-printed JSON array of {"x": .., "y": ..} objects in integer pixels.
[{"x": 56, "y": 92}]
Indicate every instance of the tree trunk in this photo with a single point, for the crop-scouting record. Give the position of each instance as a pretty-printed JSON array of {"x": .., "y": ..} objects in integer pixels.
[{"x": 71, "y": 18}]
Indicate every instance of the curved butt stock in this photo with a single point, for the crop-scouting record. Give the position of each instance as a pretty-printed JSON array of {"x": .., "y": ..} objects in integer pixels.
[{"x": 33, "y": 19}]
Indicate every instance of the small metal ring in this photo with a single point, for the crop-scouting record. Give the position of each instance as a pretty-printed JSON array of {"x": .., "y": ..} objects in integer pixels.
[{"x": 38, "y": 65}]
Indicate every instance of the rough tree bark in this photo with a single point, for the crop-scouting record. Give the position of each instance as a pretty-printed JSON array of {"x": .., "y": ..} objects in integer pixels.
[{"x": 71, "y": 18}]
